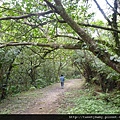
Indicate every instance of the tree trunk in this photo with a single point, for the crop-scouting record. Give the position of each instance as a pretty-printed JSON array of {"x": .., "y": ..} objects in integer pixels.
[{"x": 93, "y": 47}]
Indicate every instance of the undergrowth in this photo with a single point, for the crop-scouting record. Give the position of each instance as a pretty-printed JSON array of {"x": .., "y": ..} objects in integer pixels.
[{"x": 85, "y": 101}]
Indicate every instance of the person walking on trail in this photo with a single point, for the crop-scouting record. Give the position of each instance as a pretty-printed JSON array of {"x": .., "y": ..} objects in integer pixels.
[{"x": 62, "y": 79}]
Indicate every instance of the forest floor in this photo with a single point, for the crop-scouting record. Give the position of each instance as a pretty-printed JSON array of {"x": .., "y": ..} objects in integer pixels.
[{"x": 47, "y": 100}]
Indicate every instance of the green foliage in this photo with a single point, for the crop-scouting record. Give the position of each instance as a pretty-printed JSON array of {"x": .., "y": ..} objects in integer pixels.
[
  {"x": 115, "y": 58},
  {"x": 32, "y": 88},
  {"x": 95, "y": 71},
  {"x": 115, "y": 98},
  {"x": 40, "y": 83},
  {"x": 87, "y": 106},
  {"x": 14, "y": 89},
  {"x": 31, "y": 67},
  {"x": 40, "y": 67},
  {"x": 86, "y": 103}
]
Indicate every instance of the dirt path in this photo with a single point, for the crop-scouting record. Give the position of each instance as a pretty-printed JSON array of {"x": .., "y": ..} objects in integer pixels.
[{"x": 44, "y": 101}]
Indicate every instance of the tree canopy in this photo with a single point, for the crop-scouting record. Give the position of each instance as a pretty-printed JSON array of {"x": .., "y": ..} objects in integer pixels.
[
  {"x": 42, "y": 23},
  {"x": 45, "y": 26}
]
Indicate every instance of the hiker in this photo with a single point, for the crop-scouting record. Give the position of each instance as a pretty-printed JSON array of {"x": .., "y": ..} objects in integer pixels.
[{"x": 62, "y": 79}]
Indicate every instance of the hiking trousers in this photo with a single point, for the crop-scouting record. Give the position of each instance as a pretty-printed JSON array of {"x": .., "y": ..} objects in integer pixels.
[{"x": 62, "y": 84}]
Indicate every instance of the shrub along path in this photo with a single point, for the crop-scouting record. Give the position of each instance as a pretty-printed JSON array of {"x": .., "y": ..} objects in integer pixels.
[{"x": 40, "y": 101}]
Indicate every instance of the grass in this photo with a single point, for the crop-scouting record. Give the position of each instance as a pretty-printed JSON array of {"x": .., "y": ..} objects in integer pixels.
[
  {"x": 19, "y": 102},
  {"x": 84, "y": 102},
  {"x": 74, "y": 101}
]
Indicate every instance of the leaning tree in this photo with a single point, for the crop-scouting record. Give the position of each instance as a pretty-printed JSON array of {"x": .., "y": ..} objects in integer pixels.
[
  {"x": 42, "y": 23},
  {"x": 58, "y": 24}
]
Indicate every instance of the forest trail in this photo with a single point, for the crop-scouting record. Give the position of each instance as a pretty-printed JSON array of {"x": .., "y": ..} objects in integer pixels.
[{"x": 42, "y": 101}]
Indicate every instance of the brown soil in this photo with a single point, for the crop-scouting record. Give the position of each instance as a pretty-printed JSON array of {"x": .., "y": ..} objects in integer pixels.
[{"x": 42, "y": 101}]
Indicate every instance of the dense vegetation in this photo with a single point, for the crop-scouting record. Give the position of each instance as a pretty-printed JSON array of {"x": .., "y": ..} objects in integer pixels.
[
  {"x": 39, "y": 40},
  {"x": 89, "y": 101}
]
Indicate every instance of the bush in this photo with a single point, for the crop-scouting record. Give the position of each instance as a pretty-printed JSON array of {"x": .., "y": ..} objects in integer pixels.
[
  {"x": 86, "y": 103},
  {"x": 32, "y": 88},
  {"x": 40, "y": 83}
]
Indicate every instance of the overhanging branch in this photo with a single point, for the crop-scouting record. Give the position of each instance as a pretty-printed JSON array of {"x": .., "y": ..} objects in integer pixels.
[
  {"x": 26, "y": 16},
  {"x": 93, "y": 47},
  {"x": 112, "y": 7},
  {"x": 55, "y": 46},
  {"x": 68, "y": 36},
  {"x": 101, "y": 10},
  {"x": 100, "y": 27},
  {"x": 94, "y": 26}
]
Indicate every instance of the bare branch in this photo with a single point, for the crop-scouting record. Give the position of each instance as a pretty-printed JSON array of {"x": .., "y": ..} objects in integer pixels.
[
  {"x": 94, "y": 26},
  {"x": 26, "y": 16},
  {"x": 77, "y": 38},
  {"x": 39, "y": 24},
  {"x": 55, "y": 46},
  {"x": 100, "y": 27},
  {"x": 112, "y": 7},
  {"x": 50, "y": 5},
  {"x": 102, "y": 12}
]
